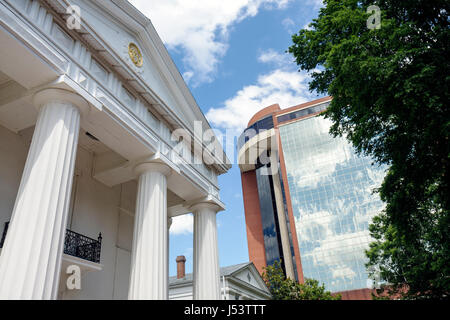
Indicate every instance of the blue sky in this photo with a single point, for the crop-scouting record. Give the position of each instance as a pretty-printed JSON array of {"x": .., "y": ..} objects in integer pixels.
[{"x": 232, "y": 56}]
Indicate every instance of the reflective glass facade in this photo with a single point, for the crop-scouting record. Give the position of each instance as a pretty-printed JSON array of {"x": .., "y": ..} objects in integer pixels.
[
  {"x": 331, "y": 193},
  {"x": 302, "y": 113},
  {"x": 286, "y": 216}
]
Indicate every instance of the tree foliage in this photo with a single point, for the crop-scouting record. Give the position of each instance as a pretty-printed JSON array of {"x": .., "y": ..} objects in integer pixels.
[
  {"x": 390, "y": 89},
  {"x": 283, "y": 288}
]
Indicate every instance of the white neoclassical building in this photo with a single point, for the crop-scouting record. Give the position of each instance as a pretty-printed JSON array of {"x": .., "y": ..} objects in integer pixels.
[
  {"x": 90, "y": 175},
  {"x": 237, "y": 282}
]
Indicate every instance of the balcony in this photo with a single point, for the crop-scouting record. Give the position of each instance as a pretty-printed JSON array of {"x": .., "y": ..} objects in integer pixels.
[
  {"x": 80, "y": 246},
  {"x": 75, "y": 245}
]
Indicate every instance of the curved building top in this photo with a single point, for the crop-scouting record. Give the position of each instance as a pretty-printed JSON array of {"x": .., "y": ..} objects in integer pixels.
[
  {"x": 263, "y": 113},
  {"x": 272, "y": 116}
]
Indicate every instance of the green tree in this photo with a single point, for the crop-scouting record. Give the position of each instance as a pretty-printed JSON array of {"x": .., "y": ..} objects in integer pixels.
[
  {"x": 390, "y": 88},
  {"x": 283, "y": 288}
]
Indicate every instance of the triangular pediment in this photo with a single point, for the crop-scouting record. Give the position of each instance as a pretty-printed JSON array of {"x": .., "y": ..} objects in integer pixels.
[
  {"x": 118, "y": 24},
  {"x": 249, "y": 274}
]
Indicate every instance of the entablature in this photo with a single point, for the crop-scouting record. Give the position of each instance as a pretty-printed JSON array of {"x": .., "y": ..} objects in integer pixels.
[{"x": 80, "y": 62}]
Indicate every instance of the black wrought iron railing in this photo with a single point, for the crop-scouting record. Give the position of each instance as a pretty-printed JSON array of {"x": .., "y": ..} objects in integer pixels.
[
  {"x": 75, "y": 244},
  {"x": 83, "y": 247}
]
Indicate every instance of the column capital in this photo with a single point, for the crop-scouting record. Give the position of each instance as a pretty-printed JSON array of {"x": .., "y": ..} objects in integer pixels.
[
  {"x": 205, "y": 205},
  {"x": 50, "y": 95},
  {"x": 152, "y": 166}
]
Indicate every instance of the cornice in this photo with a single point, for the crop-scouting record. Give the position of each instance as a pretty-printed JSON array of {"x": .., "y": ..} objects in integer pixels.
[
  {"x": 77, "y": 75},
  {"x": 137, "y": 23},
  {"x": 145, "y": 31}
]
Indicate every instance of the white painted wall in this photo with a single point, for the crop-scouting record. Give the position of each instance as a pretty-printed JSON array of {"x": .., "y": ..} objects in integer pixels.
[
  {"x": 94, "y": 208},
  {"x": 184, "y": 292},
  {"x": 98, "y": 208},
  {"x": 13, "y": 153},
  {"x": 232, "y": 291}
]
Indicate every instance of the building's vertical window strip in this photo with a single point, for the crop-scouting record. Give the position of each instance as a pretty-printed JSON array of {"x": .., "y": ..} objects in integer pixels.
[
  {"x": 286, "y": 213},
  {"x": 269, "y": 216}
]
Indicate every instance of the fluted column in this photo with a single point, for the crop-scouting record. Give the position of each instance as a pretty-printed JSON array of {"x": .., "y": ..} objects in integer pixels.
[
  {"x": 149, "y": 258},
  {"x": 206, "y": 256},
  {"x": 169, "y": 224},
  {"x": 31, "y": 258}
]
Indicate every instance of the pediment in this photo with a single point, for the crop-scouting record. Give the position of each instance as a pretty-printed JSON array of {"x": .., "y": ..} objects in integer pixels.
[
  {"x": 250, "y": 275},
  {"x": 120, "y": 25}
]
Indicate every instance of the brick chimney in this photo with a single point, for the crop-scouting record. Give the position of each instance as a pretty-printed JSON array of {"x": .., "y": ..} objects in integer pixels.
[{"x": 181, "y": 270}]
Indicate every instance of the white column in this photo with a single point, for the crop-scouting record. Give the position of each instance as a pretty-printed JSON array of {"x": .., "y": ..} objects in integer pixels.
[
  {"x": 206, "y": 257},
  {"x": 31, "y": 258},
  {"x": 149, "y": 259},
  {"x": 169, "y": 224}
]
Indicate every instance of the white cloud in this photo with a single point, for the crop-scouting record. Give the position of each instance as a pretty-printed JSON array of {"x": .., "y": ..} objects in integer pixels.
[
  {"x": 182, "y": 225},
  {"x": 287, "y": 88},
  {"x": 320, "y": 163},
  {"x": 279, "y": 59},
  {"x": 200, "y": 28},
  {"x": 288, "y": 25},
  {"x": 316, "y": 4},
  {"x": 332, "y": 249},
  {"x": 307, "y": 26},
  {"x": 188, "y": 76},
  {"x": 284, "y": 85}
]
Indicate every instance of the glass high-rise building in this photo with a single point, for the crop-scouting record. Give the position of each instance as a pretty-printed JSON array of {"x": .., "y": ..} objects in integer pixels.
[{"x": 308, "y": 198}]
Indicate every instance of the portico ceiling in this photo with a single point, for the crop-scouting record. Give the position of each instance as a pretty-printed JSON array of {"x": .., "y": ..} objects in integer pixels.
[
  {"x": 181, "y": 114},
  {"x": 126, "y": 132},
  {"x": 3, "y": 78}
]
